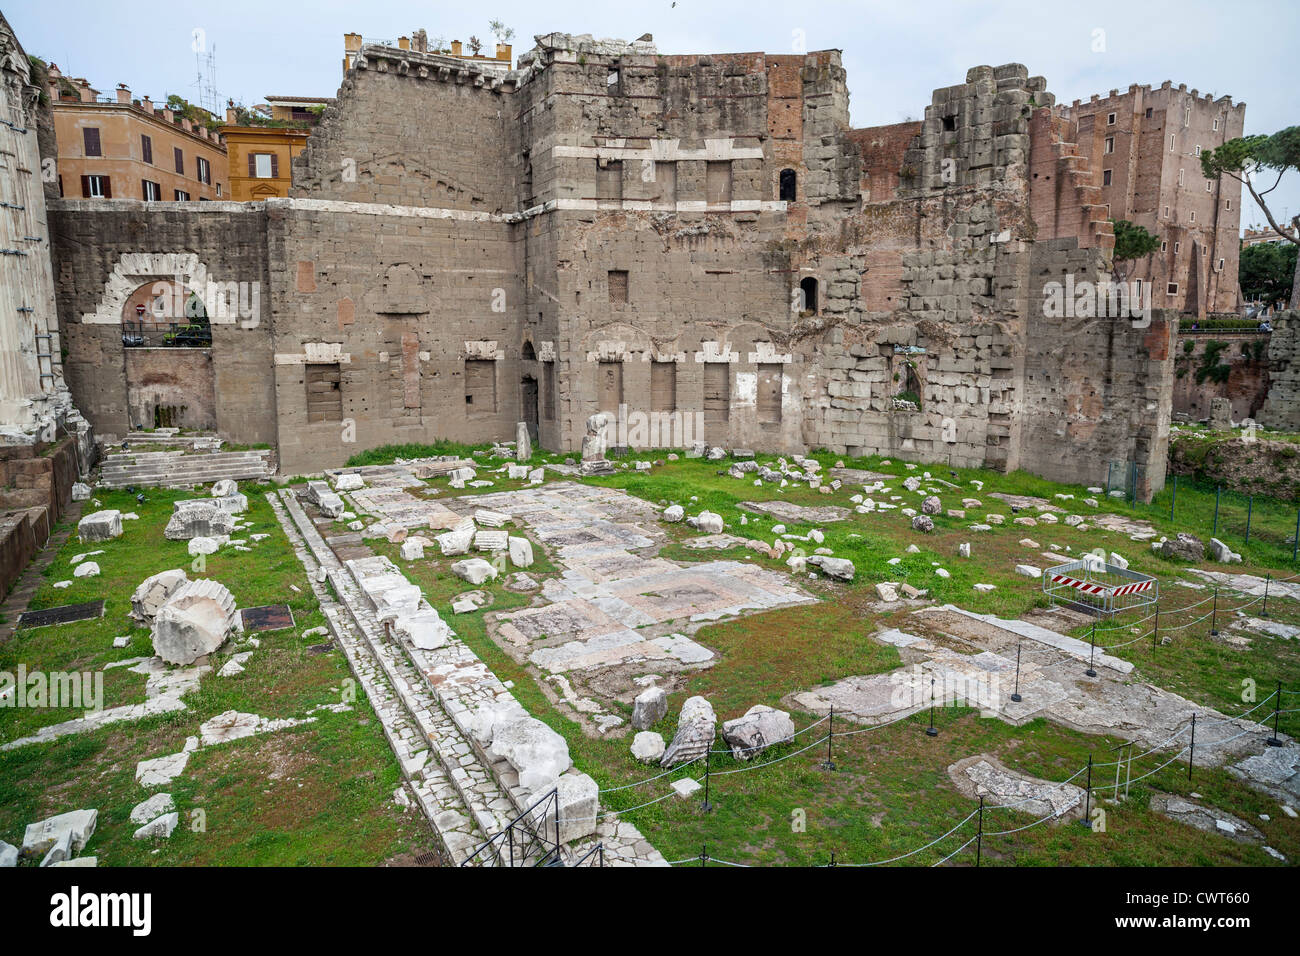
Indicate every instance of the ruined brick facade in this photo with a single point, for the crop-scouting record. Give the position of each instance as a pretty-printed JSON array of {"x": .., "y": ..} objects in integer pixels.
[{"x": 606, "y": 227}]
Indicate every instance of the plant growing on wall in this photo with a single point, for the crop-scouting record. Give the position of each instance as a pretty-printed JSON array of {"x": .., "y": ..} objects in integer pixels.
[
  {"x": 1132, "y": 242},
  {"x": 1257, "y": 157},
  {"x": 1211, "y": 368}
]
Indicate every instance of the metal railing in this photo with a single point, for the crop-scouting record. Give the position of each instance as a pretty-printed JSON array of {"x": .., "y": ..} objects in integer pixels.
[
  {"x": 1096, "y": 587},
  {"x": 166, "y": 335},
  {"x": 530, "y": 839}
]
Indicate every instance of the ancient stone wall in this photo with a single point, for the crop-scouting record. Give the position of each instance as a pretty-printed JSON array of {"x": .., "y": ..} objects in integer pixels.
[
  {"x": 1210, "y": 365},
  {"x": 607, "y": 229},
  {"x": 106, "y": 250},
  {"x": 1281, "y": 410}
]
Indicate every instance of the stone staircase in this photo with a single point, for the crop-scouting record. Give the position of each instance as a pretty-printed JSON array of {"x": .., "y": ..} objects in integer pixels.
[
  {"x": 459, "y": 797},
  {"x": 177, "y": 469},
  {"x": 425, "y": 700}
]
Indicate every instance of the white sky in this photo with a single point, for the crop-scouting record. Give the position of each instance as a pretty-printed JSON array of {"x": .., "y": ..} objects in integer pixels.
[{"x": 895, "y": 52}]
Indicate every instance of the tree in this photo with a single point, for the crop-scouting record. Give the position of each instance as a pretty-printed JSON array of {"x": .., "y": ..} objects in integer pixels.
[
  {"x": 1132, "y": 242},
  {"x": 475, "y": 45},
  {"x": 1267, "y": 271},
  {"x": 503, "y": 33},
  {"x": 1249, "y": 157}
]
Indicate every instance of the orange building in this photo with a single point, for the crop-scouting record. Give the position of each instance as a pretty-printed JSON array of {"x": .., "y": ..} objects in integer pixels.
[
  {"x": 123, "y": 148},
  {"x": 261, "y": 149}
]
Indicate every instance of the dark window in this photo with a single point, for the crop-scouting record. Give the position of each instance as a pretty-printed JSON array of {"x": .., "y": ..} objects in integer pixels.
[
  {"x": 1105, "y": 177},
  {"x": 146, "y": 148},
  {"x": 950, "y": 123},
  {"x": 618, "y": 286},
  {"x": 182, "y": 196},
  {"x": 96, "y": 187},
  {"x": 90, "y": 136},
  {"x": 150, "y": 191},
  {"x": 179, "y": 155},
  {"x": 788, "y": 184},
  {"x": 203, "y": 170},
  {"x": 529, "y": 353},
  {"x": 808, "y": 295}
]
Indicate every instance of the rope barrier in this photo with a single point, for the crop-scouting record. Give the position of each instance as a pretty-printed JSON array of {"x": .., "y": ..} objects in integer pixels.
[
  {"x": 658, "y": 776},
  {"x": 954, "y": 853}
]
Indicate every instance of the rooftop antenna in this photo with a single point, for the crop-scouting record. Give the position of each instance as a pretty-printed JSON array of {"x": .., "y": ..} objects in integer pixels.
[{"x": 205, "y": 81}]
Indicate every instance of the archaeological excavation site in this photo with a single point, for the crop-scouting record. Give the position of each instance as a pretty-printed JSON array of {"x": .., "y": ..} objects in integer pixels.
[{"x": 603, "y": 456}]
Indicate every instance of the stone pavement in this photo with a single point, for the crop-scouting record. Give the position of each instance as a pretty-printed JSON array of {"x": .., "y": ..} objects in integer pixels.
[
  {"x": 614, "y": 604},
  {"x": 977, "y": 666}
]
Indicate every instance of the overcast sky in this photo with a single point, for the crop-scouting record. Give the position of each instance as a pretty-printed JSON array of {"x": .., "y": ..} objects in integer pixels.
[{"x": 895, "y": 52}]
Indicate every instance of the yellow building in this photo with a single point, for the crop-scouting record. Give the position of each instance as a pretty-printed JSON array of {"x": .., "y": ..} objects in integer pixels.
[
  {"x": 262, "y": 148},
  {"x": 124, "y": 148}
]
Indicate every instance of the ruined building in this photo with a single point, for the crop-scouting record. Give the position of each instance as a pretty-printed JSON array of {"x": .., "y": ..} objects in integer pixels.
[
  {"x": 1144, "y": 147},
  {"x": 44, "y": 442},
  {"x": 701, "y": 239}
]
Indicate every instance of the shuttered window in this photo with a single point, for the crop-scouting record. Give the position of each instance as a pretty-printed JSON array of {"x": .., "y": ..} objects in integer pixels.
[
  {"x": 146, "y": 148},
  {"x": 618, "y": 286},
  {"x": 179, "y": 155},
  {"x": 263, "y": 165},
  {"x": 90, "y": 137},
  {"x": 96, "y": 187}
]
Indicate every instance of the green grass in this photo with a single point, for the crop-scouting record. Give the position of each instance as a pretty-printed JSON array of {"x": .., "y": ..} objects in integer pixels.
[
  {"x": 890, "y": 792},
  {"x": 320, "y": 793}
]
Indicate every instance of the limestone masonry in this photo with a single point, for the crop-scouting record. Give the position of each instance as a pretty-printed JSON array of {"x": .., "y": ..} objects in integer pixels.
[{"x": 700, "y": 240}]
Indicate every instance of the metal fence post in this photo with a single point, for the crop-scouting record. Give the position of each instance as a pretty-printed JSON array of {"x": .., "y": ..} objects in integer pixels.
[
  {"x": 1191, "y": 754},
  {"x": 1087, "y": 798},
  {"x": 830, "y": 735},
  {"x": 979, "y": 835},
  {"x": 1267, "y": 581},
  {"x": 1275, "y": 740},
  {"x": 1155, "y": 635},
  {"x": 1092, "y": 644},
  {"x": 1214, "y": 615},
  {"x": 1295, "y": 542},
  {"x": 707, "y": 762}
]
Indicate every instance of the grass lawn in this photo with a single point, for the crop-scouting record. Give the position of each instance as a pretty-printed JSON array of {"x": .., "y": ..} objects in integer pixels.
[
  {"x": 320, "y": 793},
  {"x": 890, "y": 791}
]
